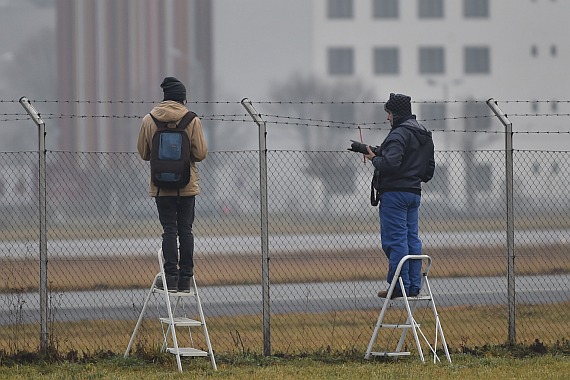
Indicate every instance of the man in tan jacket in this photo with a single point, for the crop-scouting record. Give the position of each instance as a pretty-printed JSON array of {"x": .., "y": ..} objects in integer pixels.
[{"x": 175, "y": 206}]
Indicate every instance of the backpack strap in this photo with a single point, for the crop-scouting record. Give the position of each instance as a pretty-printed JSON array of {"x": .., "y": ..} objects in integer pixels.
[
  {"x": 186, "y": 120},
  {"x": 182, "y": 124},
  {"x": 159, "y": 124}
]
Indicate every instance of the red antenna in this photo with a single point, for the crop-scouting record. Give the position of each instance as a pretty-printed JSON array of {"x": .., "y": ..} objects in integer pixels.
[{"x": 363, "y": 156}]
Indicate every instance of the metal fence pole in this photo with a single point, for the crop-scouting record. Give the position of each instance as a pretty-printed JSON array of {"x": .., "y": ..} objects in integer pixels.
[
  {"x": 30, "y": 109},
  {"x": 510, "y": 216},
  {"x": 264, "y": 224}
]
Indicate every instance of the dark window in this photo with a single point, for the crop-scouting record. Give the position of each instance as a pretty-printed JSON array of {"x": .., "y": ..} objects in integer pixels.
[
  {"x": 433, "y": 115},
  {"x": 432, "y": 60},
  {"x": 440, "y": 182},
  {"x": 430, "y": 8},
  {"x": 339, "y": 8},
  {"x": 341, "y": 61},
  {"x": 385, "y": 9},
  {"x": 477, "y": 60},
  {"x": 477, "y": 116},
  {"x": 386, "y": 60},
  {"x": 476, "y": 8}
]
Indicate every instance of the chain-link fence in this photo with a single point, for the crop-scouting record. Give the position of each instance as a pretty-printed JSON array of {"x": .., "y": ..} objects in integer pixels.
[{"x": 326, "y": 265}]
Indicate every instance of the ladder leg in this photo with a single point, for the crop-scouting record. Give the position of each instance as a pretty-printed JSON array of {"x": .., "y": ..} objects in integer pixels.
[
  {"x": 169, "y": 328},
  {"x": 139, "y": 321},
  {"x": 439, "y": 329},
  {"x": 205, "y": 328},
  {"x": 409, "y": 321},
  {"x": 377, "y": 328}
]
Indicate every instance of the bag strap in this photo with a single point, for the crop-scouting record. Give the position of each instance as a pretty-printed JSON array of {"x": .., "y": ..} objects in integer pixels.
[
  {"x": 186, "y": 119},
  {"x": 159, "y": 124},
  {"x": 374, "y": 196}
]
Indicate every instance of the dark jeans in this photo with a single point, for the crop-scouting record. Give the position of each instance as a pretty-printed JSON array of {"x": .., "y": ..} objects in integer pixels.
[{"x": 176, "y": 216}]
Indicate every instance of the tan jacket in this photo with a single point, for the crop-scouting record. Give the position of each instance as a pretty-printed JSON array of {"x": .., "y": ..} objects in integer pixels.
[{"x": 171, "y": 111}]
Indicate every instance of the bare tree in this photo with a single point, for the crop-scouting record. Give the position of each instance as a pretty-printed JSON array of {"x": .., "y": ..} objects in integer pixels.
[{"x": 327, "y": 113}]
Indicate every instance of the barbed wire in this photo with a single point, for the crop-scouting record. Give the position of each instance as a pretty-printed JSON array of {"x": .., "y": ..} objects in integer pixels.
[
  {"x": 281, "y": 120},
  {"x": 280, "y": 102}
]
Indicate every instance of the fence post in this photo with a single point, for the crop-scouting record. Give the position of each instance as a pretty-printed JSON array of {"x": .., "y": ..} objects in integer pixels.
[
  {"x": 264, "y": 224},
  {"x": 30, "y": 109},
  {"x": 510, "y": 216}
]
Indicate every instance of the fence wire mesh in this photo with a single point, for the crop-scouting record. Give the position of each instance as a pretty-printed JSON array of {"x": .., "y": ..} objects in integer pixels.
[{"x": 324, "y": 245}]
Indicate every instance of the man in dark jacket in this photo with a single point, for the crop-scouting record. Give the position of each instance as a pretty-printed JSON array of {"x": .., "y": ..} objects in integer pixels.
[{"x": 406, "y": 159}]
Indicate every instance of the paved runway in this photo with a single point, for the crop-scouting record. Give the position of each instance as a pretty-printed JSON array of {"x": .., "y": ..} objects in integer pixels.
[
  {"x": 285, "y": 298},
  {"x": 250, "y": 244}
]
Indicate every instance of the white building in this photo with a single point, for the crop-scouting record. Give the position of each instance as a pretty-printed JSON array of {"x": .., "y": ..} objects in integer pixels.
[
  {"x": 455, "y": 51},
  {"x": 450, "y": 50}
]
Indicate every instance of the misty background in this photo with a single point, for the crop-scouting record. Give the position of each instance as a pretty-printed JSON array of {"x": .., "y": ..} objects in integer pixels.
[{"x": 283, "y": 56}]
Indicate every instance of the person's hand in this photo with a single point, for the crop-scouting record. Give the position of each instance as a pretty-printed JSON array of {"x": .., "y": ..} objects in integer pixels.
[{"x": 370, "y": 154}]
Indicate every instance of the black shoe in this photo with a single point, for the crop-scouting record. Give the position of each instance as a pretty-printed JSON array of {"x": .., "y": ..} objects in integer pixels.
[
  {"x": 397, "y": 293},
  {"x": 414, "y": 292},
  {"x": 184, "y": 284},
  {"x": 171, "y": 284}
]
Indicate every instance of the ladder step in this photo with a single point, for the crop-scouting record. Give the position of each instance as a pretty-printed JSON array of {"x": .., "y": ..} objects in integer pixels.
[
  {"x": 419, "y": 298},
  {"x": 186, "y": 351},
  {"x": 390, "y": 353},
  {"x": 398, "y": 326},
  {"x": 416, "y": 298},
  {"x": 180, "y": 321},
  {"x": 174, "y": 294}
]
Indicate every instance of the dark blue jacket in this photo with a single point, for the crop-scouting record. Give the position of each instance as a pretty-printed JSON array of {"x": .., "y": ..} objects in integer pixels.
[{"x": 406, "y": 158}]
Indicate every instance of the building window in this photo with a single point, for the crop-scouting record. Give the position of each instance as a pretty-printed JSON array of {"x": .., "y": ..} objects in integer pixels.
[
  {"x": 534, "y": 106},
  {"x": 481, "y": 178},
  {"x": 477, "y": 116},
  {"x": 341, "y": 61},
  {"x": 553, "y": 50},
  {"x": 534, "y": 50},
  {"x": 476, "y": 8},
  {"x": 339, "y": 8},
  {"x": 440, "y": 182},
  {"x": 430, "y": 8},
  {"x": 477, "y": 60},
  {"x": 342, "y": 113},
  {"x": 432, "y": 60},
  {"x": 554, "y": 105},
  {"x": 433, "y": 115},
  {"x": 386, "y": 9},
  {"x": 386, "y": 61}
]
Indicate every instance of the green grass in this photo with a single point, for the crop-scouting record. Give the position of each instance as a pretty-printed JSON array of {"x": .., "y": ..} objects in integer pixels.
[{"x": 464, "y": 367}]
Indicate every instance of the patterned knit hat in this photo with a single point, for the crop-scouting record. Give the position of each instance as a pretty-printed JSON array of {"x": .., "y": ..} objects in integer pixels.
[
  {"x": 173, "y": 89},
  {"x": 400, "y": 106}
]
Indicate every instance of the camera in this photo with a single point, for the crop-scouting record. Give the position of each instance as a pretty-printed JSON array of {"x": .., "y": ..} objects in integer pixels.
[{"x": 361, "y": 148}]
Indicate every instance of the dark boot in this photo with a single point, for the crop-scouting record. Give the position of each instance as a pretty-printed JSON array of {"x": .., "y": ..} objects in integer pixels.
[
  {"x": 184, "y": 284},
  {"x": 171, "y": 284}
]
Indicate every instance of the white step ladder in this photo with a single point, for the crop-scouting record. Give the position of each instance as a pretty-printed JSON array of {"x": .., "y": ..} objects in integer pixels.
[
  {"x": 410, "y": 323},
  {"x": 176, "y": 317}
]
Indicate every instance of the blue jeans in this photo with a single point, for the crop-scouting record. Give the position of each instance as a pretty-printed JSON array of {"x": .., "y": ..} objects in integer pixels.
[
  {"x": 176, "y": 216},
  {"x": 399, "y": 233}
]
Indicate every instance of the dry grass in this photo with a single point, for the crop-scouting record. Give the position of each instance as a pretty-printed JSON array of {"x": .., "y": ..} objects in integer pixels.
[
  {"x": 138, "y": 272},
  {"x": 346, "y": 331}
]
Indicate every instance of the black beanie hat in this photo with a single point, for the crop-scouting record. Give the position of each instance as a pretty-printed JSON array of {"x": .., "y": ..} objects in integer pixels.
[
  {"x": 173, "y": 89},
  {"x": 400, "y": 106}
]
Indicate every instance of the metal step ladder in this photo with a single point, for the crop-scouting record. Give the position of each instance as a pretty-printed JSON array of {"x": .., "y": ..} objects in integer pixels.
[
  {"x": 410, "y": 304},
  {"x": 176, "y": 317}
]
